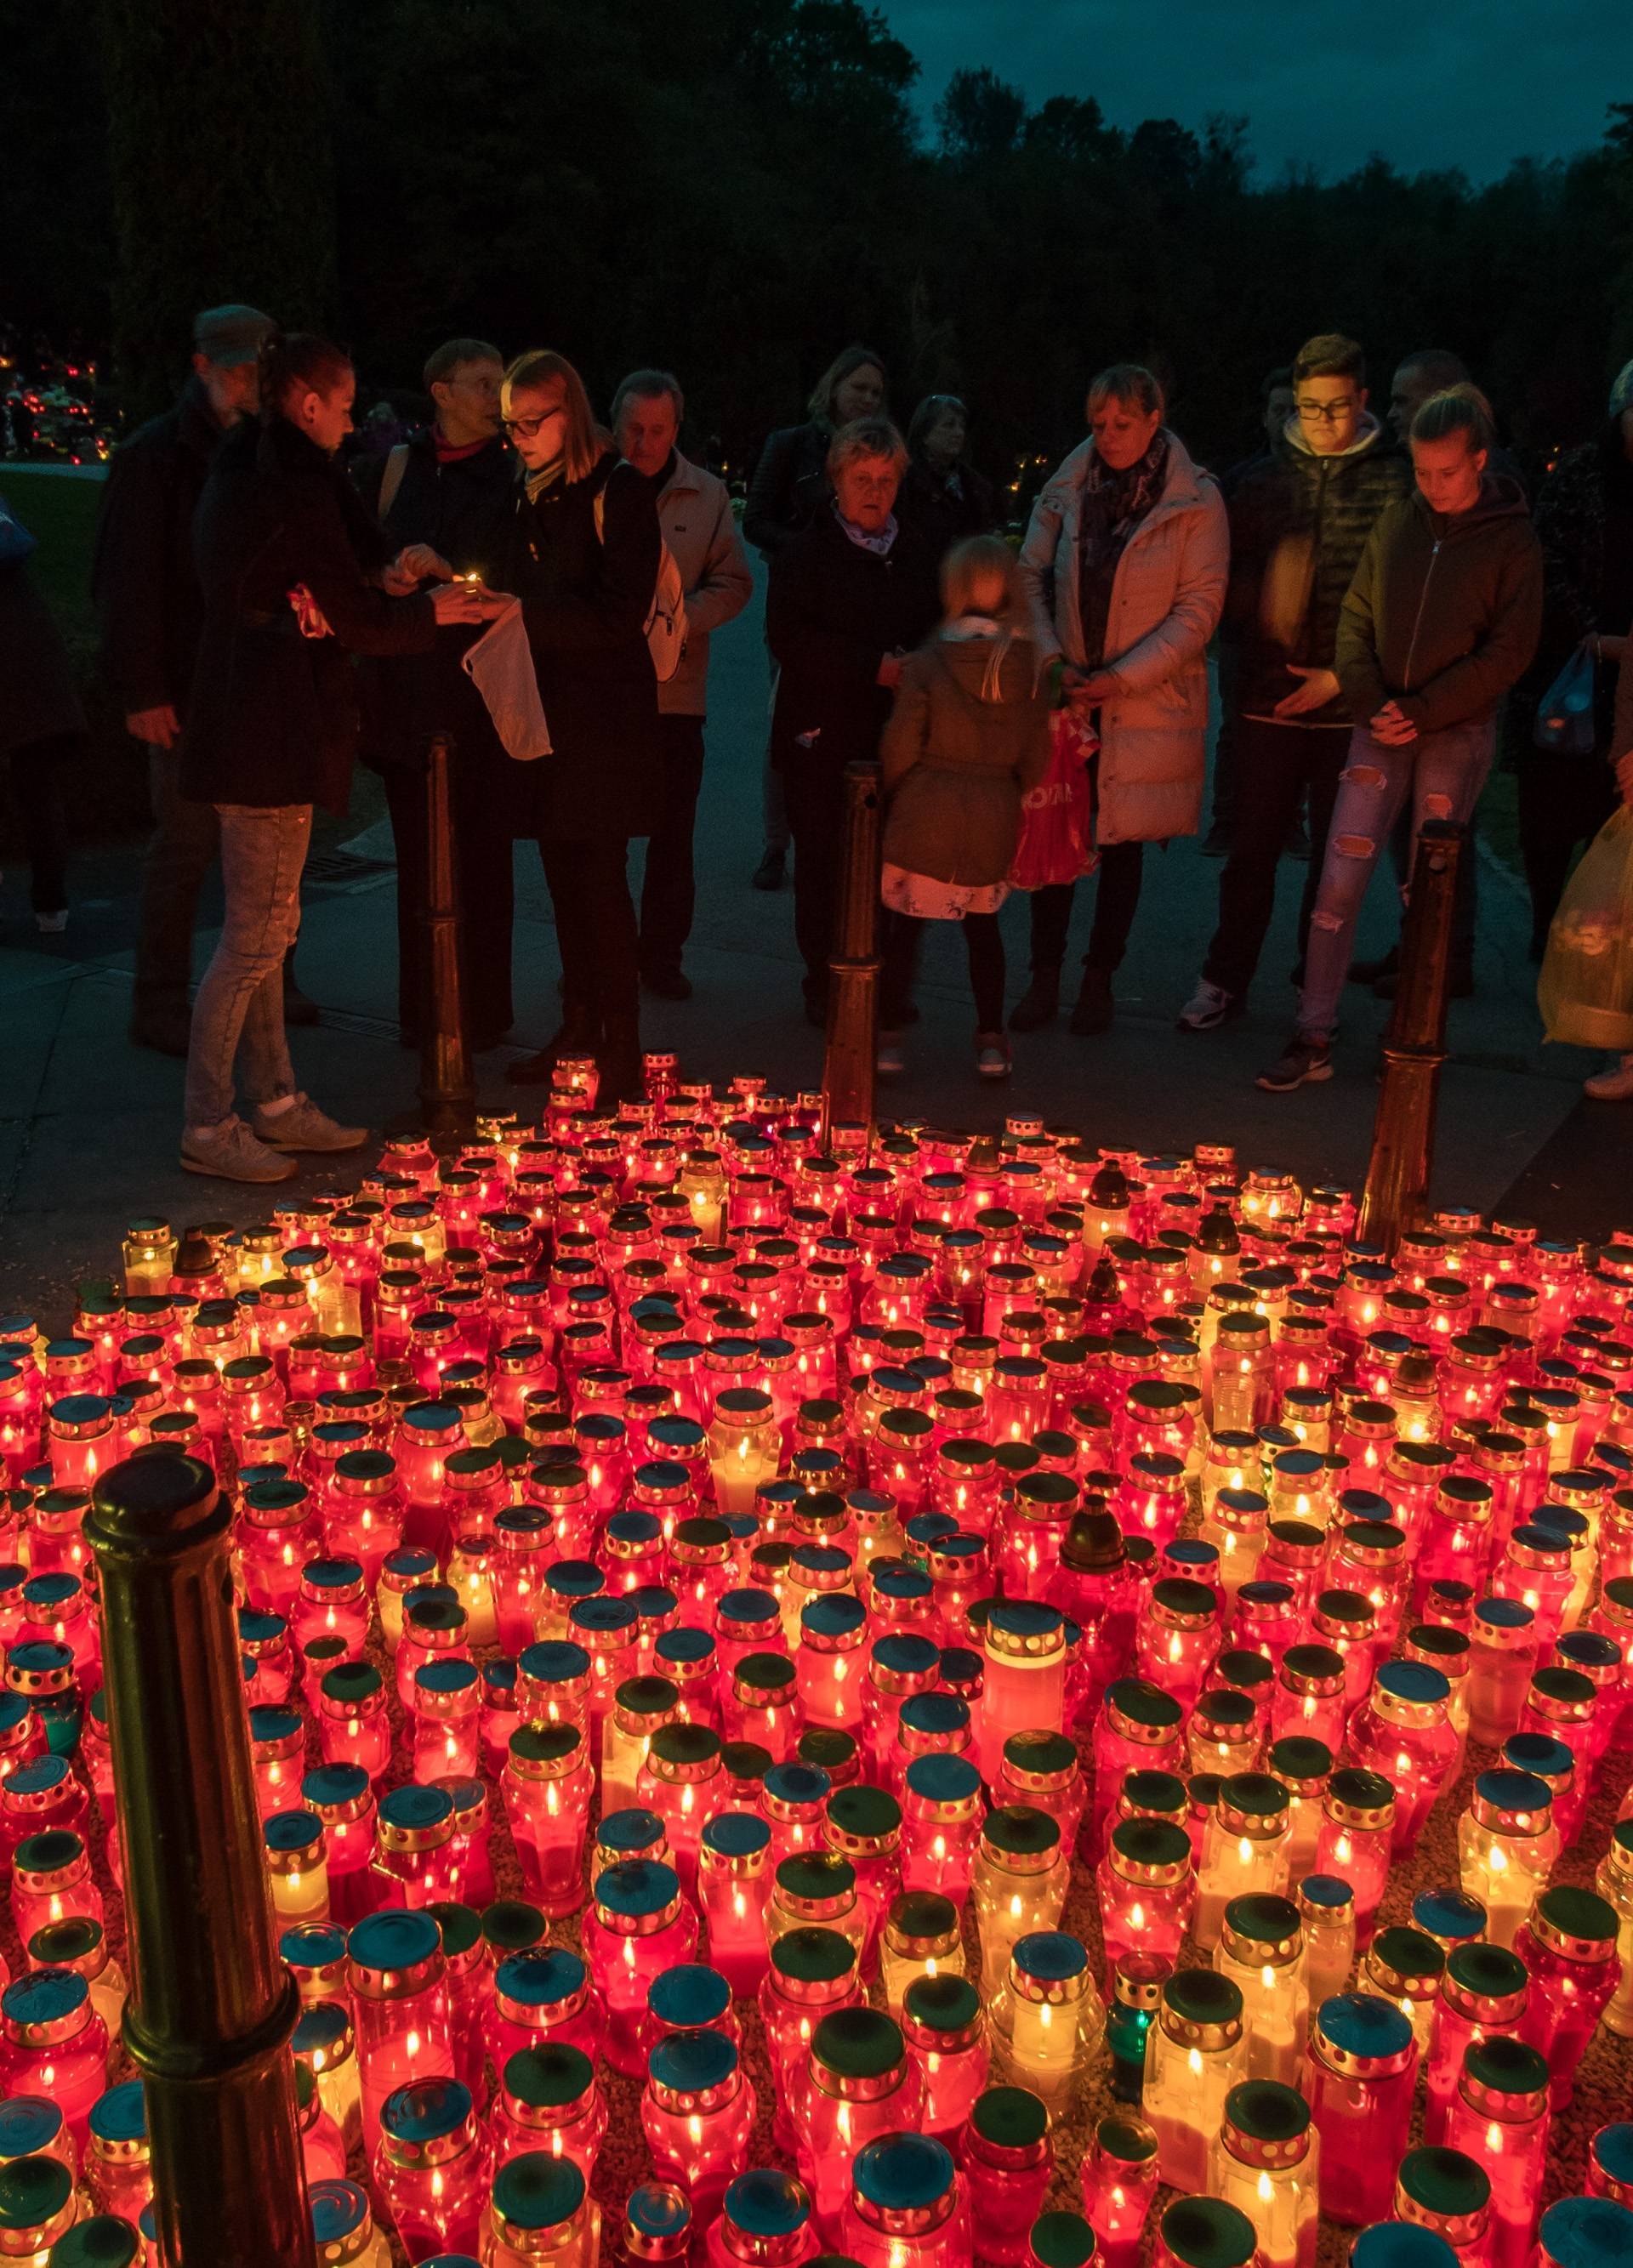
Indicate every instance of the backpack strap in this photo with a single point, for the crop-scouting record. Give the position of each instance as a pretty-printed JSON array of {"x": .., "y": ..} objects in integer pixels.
[{"x": 391, "y": 479}]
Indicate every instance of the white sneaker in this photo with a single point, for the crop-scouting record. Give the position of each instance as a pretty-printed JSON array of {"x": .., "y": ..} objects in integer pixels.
[
  {"x": 303, "y": 1126},
  {"x": 992, "y": 1054},
  {"x": 887, "y": 1060},
  {"x": 52, "y": 925},
  {"x": 1613, "y": 1085},
  {"x": 230, "y": 1153},
  {"x": 1210, "y": 1006}
]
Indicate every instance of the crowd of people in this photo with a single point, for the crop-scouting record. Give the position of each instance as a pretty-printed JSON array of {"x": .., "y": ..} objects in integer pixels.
[{"x": 1384, "y": 593}]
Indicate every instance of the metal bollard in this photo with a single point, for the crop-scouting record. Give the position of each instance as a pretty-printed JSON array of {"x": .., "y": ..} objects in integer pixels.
[
  {"x": 212, "y": 2008},
  {"x": 847, "y": 1071},
  {"x": 447, "y": 1092},
  {"x": 1396, "y": 1196}
]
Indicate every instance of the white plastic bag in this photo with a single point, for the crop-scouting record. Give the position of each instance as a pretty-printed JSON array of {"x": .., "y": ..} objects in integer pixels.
[{"x": 500, "y": 667}]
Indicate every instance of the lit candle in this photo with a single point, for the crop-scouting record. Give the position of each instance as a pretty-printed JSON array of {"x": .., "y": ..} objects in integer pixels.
[
  {"x": 1267, "y": 2165},
  {"x": 1360, "y": 2078}
]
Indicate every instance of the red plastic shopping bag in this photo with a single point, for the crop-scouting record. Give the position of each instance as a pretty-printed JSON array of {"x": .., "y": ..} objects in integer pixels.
[{"x": 1057, "y": 840}]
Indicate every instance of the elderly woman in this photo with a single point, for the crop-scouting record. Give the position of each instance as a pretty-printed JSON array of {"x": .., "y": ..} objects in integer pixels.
[
  {"x": 849, "y": 596},
  {"x": 1123, "y": 565},
  {"x": 942, "y": 495}
]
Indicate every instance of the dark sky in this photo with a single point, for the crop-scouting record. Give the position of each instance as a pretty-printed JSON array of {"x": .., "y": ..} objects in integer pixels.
[{"x": 1468, "y": 82}]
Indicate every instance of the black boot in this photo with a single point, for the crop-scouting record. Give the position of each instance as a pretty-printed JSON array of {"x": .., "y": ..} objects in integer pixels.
[
  {"x": 1040, "y": 1003},
  {"x": 1094, "y": 1007}
]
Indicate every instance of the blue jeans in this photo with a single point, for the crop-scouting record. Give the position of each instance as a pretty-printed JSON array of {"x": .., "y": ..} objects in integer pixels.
[
  {"x": 1443, "y": 774},
  {"x": 238, "y": 1017}
]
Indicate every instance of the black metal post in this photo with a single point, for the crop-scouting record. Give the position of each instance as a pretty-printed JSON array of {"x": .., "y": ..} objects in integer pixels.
[
  {"x": 1396, "y": 1196},
  {"x": 211, "y": 2007},
  {"x": 447, "y": 1092},
  {"x": 848, "y": 1071}
]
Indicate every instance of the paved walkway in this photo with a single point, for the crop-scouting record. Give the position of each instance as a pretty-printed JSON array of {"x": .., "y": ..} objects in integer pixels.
[{"x": 88, "y": 1125}]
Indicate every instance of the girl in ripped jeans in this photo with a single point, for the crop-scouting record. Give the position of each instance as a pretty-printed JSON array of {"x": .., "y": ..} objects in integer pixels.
[{"x": 1441, "y": 619}]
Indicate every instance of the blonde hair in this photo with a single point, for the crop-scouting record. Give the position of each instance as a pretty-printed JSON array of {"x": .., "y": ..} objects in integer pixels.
[
  {"x": 1456, "y": 410},
  {"x": 869, "y": 438},
  {"x": 981, "y": 576},
  {"x": 587, "y": 442},
  {"x": 846, "y": 365}
]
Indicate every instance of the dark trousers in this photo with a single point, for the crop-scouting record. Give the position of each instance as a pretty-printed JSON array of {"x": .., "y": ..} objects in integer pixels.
[
  {"x": 37, "y": 793},
  {"x": 669, "y": 895},
  {"x": 984, "y": 943},
  {"x": 482, "y": 855},
  {"x": 815, "y": 797},
  {"x": 181, "y": 851},
  {"x": 1564, "y": 802},
  {"x": 1116, "y": 897},
  {"x": 595, "y": 932},
  {"x": 1276, "y": 767}
]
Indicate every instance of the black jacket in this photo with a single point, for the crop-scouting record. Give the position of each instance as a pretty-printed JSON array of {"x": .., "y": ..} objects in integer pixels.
[
  {"x": 1298, "y": 524},
  {"x": 790, "y": 485},
  {"x": 40, "y": 701},
  {"x": 454, "y": 508},
  {"x": 833, "y": 610},
  {"x": 586, "y": 596},
  {"x": 943, "y": 516},
  {"x": 142, "y": 579},
  {"x": 273, "y": 717}
]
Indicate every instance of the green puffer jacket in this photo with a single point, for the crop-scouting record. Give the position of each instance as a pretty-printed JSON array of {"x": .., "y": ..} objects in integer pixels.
[
  {"x": 954, "y": 761},
  {"x": 1443, "y": 613},
  {"x": 1298, "y": 523}
]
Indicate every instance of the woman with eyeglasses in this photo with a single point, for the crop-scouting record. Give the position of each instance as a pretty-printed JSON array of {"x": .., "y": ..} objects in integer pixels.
[
  {"x": 580, "y": 546},
  {"x": 942, "y": 495}
]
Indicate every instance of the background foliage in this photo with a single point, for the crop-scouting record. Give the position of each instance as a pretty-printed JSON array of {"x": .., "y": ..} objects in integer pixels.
[{"x": 736, "y": 187}]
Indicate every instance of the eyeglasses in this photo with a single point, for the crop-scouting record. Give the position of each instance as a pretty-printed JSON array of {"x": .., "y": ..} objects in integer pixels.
[
  {"x": 529, "y": 426},
  {"x": 1326, "y": 413}
]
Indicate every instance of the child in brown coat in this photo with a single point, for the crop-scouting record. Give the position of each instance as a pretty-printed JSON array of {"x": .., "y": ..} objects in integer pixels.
[{"x": 968, "y": 736}]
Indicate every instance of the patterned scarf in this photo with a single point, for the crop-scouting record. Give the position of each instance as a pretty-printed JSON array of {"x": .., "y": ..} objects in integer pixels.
[{"x": 1114, "y": 502}]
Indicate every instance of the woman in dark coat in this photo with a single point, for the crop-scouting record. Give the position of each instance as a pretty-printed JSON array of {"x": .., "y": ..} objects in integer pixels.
[
  {"x": 942, "y": 495},
  {"x": 580, "y": 548},
  {"x": 851, "y": 595},
  {"x": 294, "y": 577}
]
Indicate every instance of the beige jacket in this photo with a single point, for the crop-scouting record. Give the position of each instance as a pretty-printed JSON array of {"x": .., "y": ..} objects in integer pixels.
[
  {"x": 1166, "y": 601},
  {"x": 695, "y": 514}
]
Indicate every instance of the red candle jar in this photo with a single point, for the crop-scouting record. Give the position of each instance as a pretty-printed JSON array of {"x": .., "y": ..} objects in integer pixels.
[
  {"x": 1447, "y": 2193},
  {"x": 1569, "y": 1947},
  {"x": 332, "y": 1602},
  {"x": 1177, "y": 1636},
  {"x": 764, "y": 2222},
  {"x": 791, "y": 1802},
  {"x": 1147, "y": 1887},
  {"x": 1504, "y": 1649},
  {"x": 119, "y": 2168},
  {"x": 638, "y": 1925},
  {"x": 907, "y": 2206},
  {"x": 433, "y": 2165},
  {"x": 1118, "y": 2185},
  {"x": 548, "y": 2099},
  {"x": 1610, "y": 2164},
  {"x": 1030, "y": 1528},
  {"x": 277, "y": 1532},
  {"x": 811, "y": 1971},
  {"x": 547, "y": 1787},
  {"x": 864, "y": 1825},
  {"x": 52, "y": 1881},
  {"x": 733, "y": 1885},
  {"x": 683, "y": 1780},
  {"x": 697, "y": 2115},
  {"x": 940, "y": 1825},
  {"x": 1140, "y": 1729},
  {"x": 448, "y": 1701},
  {"x": 344, "y": 1799},
  {"x": 552, "y": 1684},
  {"x": 37, "y": 2206},
  {"x": 941, "y": 2021},
  {"x": 764, "y": 1704},
  {"x": 1403, "y": 1732},
  {"x": 1360, "y": 2076},
  {"x": 435, "y": 1628},
  {"x": 469, "y": 1980},
  {"x": 55, "y": 2044},
  {"x": 1267, "y": 1617},
  {"x": 1500, "y": 2116},
  {"x": 1482, "y": 1997},
  {"x": 901, "y": 1664},
  {"x": 277, "y": 1741},
  {"x": 542, "y": 1998},
  {"x": 1007, "y": 2161},
  {"x": 1357, "y": 1825},
  {"x": 859, "y": 2082},
  {"x": 830, "y": 1665},
  {"x": 1041, "y": 1768},
  {"x": 414, "y": 1845},
  {"x": 353, "y": 1724}
]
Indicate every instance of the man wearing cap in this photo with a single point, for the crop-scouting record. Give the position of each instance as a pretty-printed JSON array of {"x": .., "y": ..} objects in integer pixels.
[{"x": 151, "y": 613}]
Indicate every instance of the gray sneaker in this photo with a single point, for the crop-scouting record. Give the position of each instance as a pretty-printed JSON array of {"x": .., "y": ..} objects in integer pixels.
[
  {"x": 303, "y": 1126},
  {"x": 230, "y": 1152},
  {"x": 1210, "y": 1006}
]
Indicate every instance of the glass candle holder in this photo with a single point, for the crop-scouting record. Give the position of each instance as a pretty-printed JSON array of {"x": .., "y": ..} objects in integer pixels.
[
  {"x": 55, "y": 2044},
  {"x": 1147, "y": 1885},
  {"x": 697, "y": 2115},
  {"x": 397, "y": 1974},
  {"x": 433, "y": 2165},
  {"x": 540, "y": 2209},
  {"x": 859, "y": 2082},
  {"x": 1404, "y": 1966},
  {"x": 1025, "y": 1645},
  {"x": 638, "y": 1925},
  {"x": 1507, "y": 1847},
  {"x": 1119, "y": 2179},
  {"x": 1482, "y": 1996},
  {"x": 942, "y": 2024},
  {"x": 1004, "y": 2150},
  {"x": 1568, "y": 1943},
  {"x": 1500, "y": 2115},
  {"x": 1046, "y": 2021},
  {"x": 325, "y": 2043},
  {"x": 1244, "y": 1850},
  {"x": 1205, "y": 2232},
  {"x": 1267, "y": 2165},
  {"x": 37, "y": 2206},
  {"x": 1192, "y": 2059},
  {"x": 119, "y": 2167},
  {"x": 1018, "y": 1883},
  {"x": 810, "y": 1971},
  {"x": 543, "y": 1997},
  {"x": 1261, "y": 1951},
  {"x": 1402, "y": 1732},
  {"x": 682, "y": 1780},
  {"x": 1360, "y": 2077},
  {"x": 1446, "y": 2192},
  {"x": 908, "y": 2205},
  {"x": 1140, "y": 1729},
  {"x": 1357, "y": 1823},
  {"x": 1610, "y": 2163},
  {"x": 354, "y": 1725},
  {"x": 733, "y": 1886},
  {"x": 920, "y": 1937}
]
